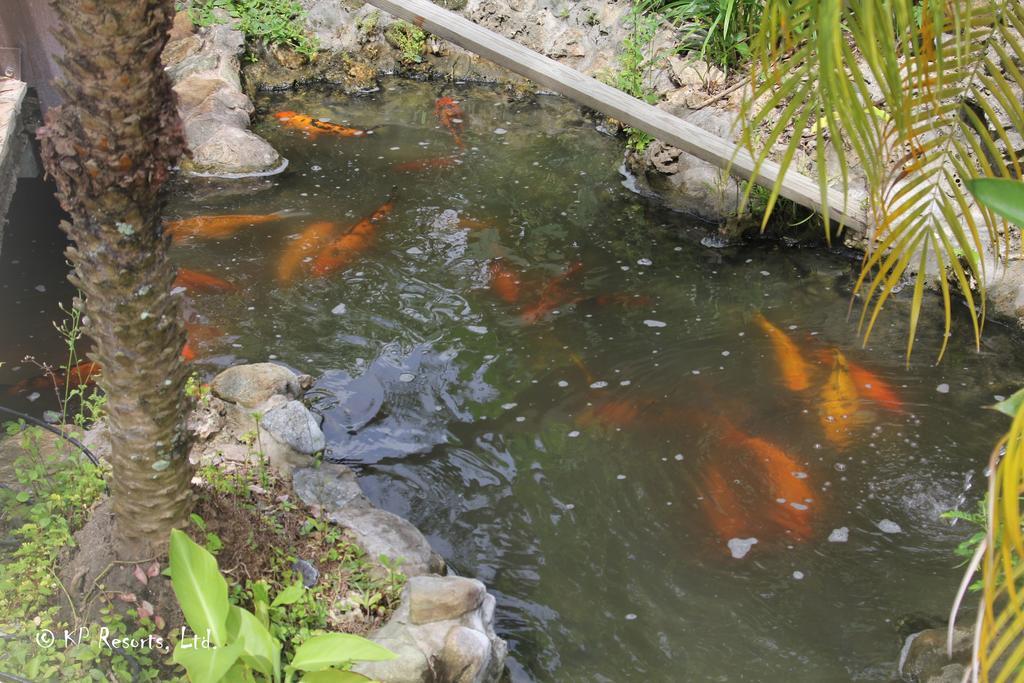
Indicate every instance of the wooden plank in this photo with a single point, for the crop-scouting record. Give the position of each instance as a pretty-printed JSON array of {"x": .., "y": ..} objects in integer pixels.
[{"x": 617, "y": 104}]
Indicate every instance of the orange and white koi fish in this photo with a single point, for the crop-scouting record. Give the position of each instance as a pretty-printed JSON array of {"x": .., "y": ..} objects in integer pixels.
[
  {"x": 314, "y": 127},
  {"x": 874, "y": 388},
  {"x": 554, "y": 295},
  {"x": 217, "y": 227},
  {"x": 310, "y": 241},
  {"x": 340, "y": 253},
  {"x": 839, "y": 401},
  {"x": 796, "y": 372},
  {"x": 449, "y": 114},
  {"x": 201, "y": 282},
  {"x": 431, "y": 164},
  {"x": 792, "y": 496},
  {"x": 504, "y": 281},
  {"x": 83, "y": 374}
]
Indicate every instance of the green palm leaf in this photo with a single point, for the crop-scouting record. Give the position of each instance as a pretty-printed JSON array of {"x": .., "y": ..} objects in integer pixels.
[{"x": 946, "y": 76}]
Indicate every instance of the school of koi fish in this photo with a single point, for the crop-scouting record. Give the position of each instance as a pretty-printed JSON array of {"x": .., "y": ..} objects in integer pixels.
[{"x": 781, "y": 497}]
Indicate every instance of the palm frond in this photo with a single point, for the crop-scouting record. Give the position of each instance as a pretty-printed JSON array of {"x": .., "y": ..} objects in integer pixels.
[{"x": 948, "y": 77}]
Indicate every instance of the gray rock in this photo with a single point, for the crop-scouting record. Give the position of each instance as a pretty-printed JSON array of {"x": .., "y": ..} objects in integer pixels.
[
  {"x": 205, "y": 74},
  {"x": 436, "y": 598},
  {"x": 330, "y": 487},
  {"x": 380, "y": 532},
  {"x": 234, "y": 151},
  {"x": 465, "y": 655},
  {"x": 251, "y": 385},
  {"x": 924, "y": 654},
  {"x": 951, "y": 673},
  {"x": 411, "y": 665},
  {"x": 295, "y": 426}
]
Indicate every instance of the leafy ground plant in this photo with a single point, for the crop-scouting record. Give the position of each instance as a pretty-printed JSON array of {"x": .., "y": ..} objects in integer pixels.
[
  {"x": 236, "y": 644},
  {"x": 720, "y": 30},
  {"x": 276, "y": 22}
]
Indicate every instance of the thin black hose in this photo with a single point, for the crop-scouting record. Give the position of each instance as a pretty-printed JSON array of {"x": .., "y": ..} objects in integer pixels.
[{"x": 59, "y": 432}]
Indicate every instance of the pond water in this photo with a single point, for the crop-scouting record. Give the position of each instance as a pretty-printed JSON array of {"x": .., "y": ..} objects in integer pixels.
[{"x": 585, "y": 408}]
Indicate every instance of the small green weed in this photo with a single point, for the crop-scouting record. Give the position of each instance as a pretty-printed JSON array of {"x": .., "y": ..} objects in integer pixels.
[
  {"x": 277, "y": 22},
  {"x": 410, "y": 40}
]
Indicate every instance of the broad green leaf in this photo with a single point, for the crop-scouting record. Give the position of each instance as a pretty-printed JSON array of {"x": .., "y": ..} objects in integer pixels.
[
  {"x": 1005, "y": 197},
  {"x": 333, "y": 676},
  {"x": 261, "y": 650},
  {"x": 1011, "y": 405},
  {"x": 334, "y": 649},
  {"x": 207, "y": 664},
  {"x": 201, "y": 590},
  {"x": 289, "y": 595},
  {"x": 239, "y": 673}
]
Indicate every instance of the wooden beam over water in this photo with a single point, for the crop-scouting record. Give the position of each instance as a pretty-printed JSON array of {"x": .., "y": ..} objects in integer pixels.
[{"x": 617, "y": 104}]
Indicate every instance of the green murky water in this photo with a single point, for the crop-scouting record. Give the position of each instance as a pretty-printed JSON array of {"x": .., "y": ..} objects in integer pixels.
[{"x": 569, "y": 457}]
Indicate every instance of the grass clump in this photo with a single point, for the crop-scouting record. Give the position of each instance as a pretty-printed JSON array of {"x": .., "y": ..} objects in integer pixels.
[
  {"x": 410, "y": 40},
  {"x": 275, "y": 22}
]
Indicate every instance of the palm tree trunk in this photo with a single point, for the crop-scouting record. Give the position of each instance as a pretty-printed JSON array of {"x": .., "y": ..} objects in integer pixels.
[{"x": 111, "y": 147}]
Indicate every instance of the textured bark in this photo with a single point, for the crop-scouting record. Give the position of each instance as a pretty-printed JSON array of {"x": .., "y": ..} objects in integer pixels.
[{"x": 110, "y": 147}]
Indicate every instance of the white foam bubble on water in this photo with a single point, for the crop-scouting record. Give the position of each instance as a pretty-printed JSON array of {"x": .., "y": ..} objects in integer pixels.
[
  {"x": 406, "y": 377},
  {"x": 644, "y": 262},
  {"x": 562, "y": 383},
  {"x": 599, "y": 385},
  {"x": 678, "y": 456},
  {"x": 509, "y": 406},
  {"x": 478, "y": 329},
  {"x": 573, "y": 434},
  {"x": 655, "y": 323},
  {"x": 630, "y": 617},
  {"x": 798, "y": 575},
  {"x": 340, "y": 309},
  {"x": 739, "y": 547},
  {"x": 415, "y": 251},
  {"x": 888, "y": 526},
  {"x": 500, "y": 131},
  {"x": 942, "y": 388},
  {"x": 840, "y": 535},
  {"x": 621, "y": 477}
]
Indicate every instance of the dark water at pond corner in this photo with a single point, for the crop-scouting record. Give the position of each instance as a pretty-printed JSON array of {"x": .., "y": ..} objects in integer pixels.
[{"x": 569, "y": 459}]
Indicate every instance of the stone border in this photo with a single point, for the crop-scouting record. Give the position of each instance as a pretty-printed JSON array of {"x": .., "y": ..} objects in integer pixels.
[
  {"x": 12, "y": 96},
  {"x": 205, "y": 71},
  {"x": 443, "y": 630}
]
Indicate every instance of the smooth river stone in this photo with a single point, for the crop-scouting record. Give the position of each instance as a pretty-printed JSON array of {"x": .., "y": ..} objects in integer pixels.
[
  {"x": 251, "y": 385},
  {"x": 436, "y": 598}
]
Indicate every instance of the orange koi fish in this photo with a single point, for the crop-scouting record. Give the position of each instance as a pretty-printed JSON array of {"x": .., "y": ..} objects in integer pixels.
[
  {"x": 614, "y": 413},
  {"x": 314, "y": 127},
  {"x": 722, "y": 506},
  {"x": 504, "y": 281},
  {"x": 789, "y": 485},
  {"x": 796, "y": 372},
  {"x": 198, "y": 335},
  {"x": 340, "y": 253},
  {"x": 872, "y": 387},
  {"x": 83, "y": 374},
  {"x": 312, "y": 239},
  {"x": 431, "y": 164},
  {"x": 839, "y": 401},
  {"x": 449, "y": 114},
  {"x": 216, "y": 227},
  {"x": 553, "y": 295},
  {"x": 201, "y": 282}
]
